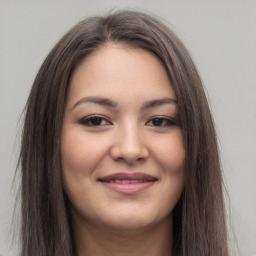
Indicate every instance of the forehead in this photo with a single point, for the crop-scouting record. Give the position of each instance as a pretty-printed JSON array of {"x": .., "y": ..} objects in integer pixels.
[{"x": 116, "y": 70}]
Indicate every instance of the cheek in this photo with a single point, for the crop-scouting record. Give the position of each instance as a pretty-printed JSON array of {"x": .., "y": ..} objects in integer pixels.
[
  {"x": 80, "y": 157},
  {"x": 171, "y": 156},
  {"x": 81, "y": 154},
  {"x": 170, "y": 152}
]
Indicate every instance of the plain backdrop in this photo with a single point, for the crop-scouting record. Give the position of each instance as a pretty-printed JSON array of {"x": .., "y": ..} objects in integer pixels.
[{"x": 221, "y": 37}]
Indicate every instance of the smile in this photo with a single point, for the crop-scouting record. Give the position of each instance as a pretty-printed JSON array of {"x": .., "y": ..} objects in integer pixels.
[{"x": 128, "y": 183}]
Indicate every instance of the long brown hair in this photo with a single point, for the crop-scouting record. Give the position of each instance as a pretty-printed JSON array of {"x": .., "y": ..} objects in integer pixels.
[{"x": 199, "y": 217}]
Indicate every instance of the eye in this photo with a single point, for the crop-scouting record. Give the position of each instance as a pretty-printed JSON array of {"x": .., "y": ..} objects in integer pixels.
[
  {"x": 161, "y": 121},
  {"x": 94, "y": 121}
]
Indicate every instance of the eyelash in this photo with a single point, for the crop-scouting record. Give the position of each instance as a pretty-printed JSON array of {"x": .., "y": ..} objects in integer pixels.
[
  {"x": 88, "y": 121},
  {"x": 159, "y": 121},
  {"x": 165, "y": 120}
]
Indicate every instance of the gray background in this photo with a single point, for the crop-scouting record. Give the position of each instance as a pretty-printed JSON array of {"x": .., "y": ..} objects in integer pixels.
[{"x": 221, "y": 36}]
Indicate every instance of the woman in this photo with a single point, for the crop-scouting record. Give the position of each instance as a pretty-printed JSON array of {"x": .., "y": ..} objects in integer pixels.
[{"x": 119, "y": 152}]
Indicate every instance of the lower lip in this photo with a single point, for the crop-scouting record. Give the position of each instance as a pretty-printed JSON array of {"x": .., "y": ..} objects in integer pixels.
[{"x": 131, "y": 188}]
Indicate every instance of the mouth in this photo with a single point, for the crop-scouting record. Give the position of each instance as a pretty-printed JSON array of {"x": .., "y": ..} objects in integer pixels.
[{"x": 128, "y": 183}]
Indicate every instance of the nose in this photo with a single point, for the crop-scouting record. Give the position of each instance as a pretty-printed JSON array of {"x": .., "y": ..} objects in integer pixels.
[{"x": 129, "y": 145}]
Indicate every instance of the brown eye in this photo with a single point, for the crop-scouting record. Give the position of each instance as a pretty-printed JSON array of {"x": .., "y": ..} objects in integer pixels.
[
  {"x": 94, "y": 121},
  {"x": 159, "y": 121}
]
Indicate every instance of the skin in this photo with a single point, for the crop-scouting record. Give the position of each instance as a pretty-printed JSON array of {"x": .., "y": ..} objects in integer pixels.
[{"x": 127, "y": 138}]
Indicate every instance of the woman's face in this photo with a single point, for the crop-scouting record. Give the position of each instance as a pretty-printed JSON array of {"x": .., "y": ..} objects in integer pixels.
[{"x": 122, "y": 150}]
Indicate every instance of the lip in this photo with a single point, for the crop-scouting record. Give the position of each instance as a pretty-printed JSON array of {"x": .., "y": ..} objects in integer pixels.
[{"x": 128, "y": 183}]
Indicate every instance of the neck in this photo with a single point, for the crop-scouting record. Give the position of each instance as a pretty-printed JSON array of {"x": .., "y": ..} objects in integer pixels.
[{"x": 91, "y": 240}]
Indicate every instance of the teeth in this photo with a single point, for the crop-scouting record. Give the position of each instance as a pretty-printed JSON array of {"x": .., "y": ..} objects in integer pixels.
[{"x": 126, "y": 181}]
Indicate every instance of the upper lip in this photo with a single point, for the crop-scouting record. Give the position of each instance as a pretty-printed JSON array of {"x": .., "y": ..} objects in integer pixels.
[{"x": 128, "y": 176}]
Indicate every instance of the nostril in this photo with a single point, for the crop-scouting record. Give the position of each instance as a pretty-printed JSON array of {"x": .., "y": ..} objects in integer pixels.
[
  {"x": 129, "y": 160},
  {"x": 128, "y": 144},
  {"x": 130, "y": 155}
]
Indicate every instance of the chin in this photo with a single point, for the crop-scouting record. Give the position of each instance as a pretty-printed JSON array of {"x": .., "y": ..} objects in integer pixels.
[
  {"x": 133, "y": 220},
  {"x": 129, "y": 225}
]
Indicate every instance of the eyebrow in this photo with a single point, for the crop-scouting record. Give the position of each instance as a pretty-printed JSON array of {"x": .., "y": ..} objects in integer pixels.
[
  {"x": 96, "y": 100},
  {"x": 158, "y": 102},
  {"x": 109, "y": 103}
]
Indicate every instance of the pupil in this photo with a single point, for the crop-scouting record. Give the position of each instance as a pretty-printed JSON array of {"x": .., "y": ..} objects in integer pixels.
[
  {"x": 157, "y": 122},
  {"x": 96, "y": 121}
]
